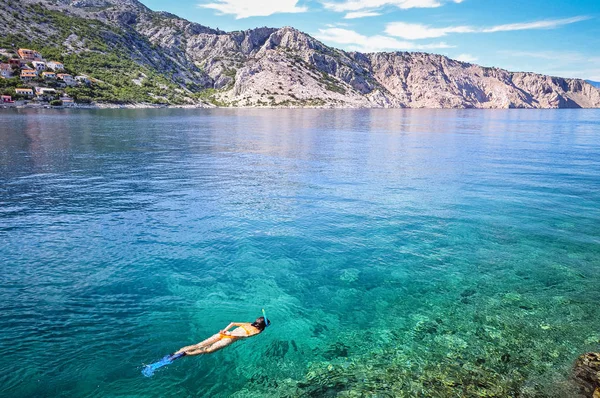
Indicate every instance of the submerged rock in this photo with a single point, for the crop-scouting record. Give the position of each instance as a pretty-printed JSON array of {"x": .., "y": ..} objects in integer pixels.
[
  {"x": 587, "y": 374},
  {"x": 278, "y": 349},
  {"x": 349, "y": 275},
  {"x": 337, "y": 350}
]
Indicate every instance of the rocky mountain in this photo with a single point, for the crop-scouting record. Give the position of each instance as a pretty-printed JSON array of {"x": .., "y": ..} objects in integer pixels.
[{"x": 161, "y": 56}]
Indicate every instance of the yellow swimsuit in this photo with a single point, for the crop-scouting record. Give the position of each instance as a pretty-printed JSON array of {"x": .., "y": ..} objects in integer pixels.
[{"x": 226, "y": 336}]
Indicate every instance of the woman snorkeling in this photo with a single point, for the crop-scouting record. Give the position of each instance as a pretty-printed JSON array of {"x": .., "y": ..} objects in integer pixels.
[
  {"x": 214, "y": 343},
  {"x": 225, "y": 337}
]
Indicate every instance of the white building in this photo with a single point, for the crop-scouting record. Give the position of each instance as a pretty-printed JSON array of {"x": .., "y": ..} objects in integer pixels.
[
  {"x": 55, "y": 66},
  {"x": 44, "y": 90},
  {"x": 40, "y": 66},
  {"x": 24, "y": 91},
  {"x": 45, "y": 93},
  {"x": 68, "y": 79},
  {"x": 83, "y": 79}
]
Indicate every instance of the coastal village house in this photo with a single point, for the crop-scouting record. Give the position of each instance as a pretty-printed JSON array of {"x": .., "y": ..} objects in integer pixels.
[
  {"x": 45, "y": 94},
  {"x": 39, "y": 65},
  {"x": 67, "y": 101},
  {"x": 55, "y": 66},
  {"x": 44, "y": 90},
  {"x": 46, "y": 70},
  {"x": 5, "y": 71},
  {"x": 6, "y": 99},
  {"x": 68, "y": 79},
  {"x": 28, "y": 74},
  {"x": 29, "y": 55},
  {"x": 17, "y": 63},
  {"x": 28, "y": 92},
  {"x": 83, "y": 79}
]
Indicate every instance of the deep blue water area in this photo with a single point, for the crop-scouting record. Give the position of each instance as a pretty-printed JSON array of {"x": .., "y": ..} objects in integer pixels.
[{"x": 411, "y": 253}]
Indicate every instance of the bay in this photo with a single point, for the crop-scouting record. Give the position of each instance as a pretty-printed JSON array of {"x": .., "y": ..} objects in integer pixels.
[{"x": 397, "y": 252}]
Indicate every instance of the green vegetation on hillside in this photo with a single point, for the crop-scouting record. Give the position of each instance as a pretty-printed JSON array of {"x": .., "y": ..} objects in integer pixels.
[{"x": 121, "y": 63}]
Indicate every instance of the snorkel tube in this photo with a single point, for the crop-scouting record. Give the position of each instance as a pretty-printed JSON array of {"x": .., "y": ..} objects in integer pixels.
[{"x": 265, "y": 316}]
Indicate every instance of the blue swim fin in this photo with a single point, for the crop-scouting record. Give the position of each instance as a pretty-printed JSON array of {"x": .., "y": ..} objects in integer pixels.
[{"x": 148, "y": 370}]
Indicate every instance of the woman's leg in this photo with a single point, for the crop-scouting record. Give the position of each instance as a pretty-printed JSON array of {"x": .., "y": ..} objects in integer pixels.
[
  {"x": 195, "y": 351},
  {"x": 217, "y": 346},
  {"x": 190, "y": 348},
  {"x": 209, "y": 349}
]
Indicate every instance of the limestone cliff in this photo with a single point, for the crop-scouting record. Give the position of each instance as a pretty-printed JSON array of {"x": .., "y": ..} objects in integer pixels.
[{"x": 285, "y": 67}]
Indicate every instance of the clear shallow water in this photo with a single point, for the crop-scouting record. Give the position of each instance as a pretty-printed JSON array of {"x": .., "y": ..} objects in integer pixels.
[{"x": 398, "y": 252}]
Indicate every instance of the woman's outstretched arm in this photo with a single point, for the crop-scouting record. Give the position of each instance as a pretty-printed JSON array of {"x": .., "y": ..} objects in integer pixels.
[{"x": 232, "y": 324}]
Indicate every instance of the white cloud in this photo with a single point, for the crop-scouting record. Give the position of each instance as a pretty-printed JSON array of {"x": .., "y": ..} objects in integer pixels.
[
  {"x": 254, "y": 8},
  {"x": 368, "y": 8},
  {"x": 354, "y": 41},
  {"x": 467, "y": 58},
  {"x": 361, "y": 14},
  {"x": 412, "y": 31},
  {"x": 358, "y": 5},
  {"x": 546, "y": 24}
]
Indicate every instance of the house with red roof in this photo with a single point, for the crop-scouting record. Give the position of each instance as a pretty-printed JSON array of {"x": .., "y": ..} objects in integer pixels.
[
  {"x": 28, "y": 74},
  {"x": 29, "y": 55},
  {"x": 28, "y": 92}
]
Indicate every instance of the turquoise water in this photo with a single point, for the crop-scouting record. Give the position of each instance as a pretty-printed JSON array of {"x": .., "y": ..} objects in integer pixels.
[{"x": 398, "y": 252}]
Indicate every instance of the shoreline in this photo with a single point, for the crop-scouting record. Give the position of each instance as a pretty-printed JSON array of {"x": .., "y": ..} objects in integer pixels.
[{"x": 206, "y": 106}]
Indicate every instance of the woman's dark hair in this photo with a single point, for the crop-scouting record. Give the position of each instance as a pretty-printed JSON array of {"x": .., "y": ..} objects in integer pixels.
[{"x": 260, "y": 324}]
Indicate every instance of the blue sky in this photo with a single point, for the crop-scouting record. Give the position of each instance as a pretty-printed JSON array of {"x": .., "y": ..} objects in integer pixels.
[{"x": 556, "y": 37}]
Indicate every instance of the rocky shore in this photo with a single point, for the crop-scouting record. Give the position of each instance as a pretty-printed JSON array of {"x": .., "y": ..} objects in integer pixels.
[{"x": 586, "y": 373}]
